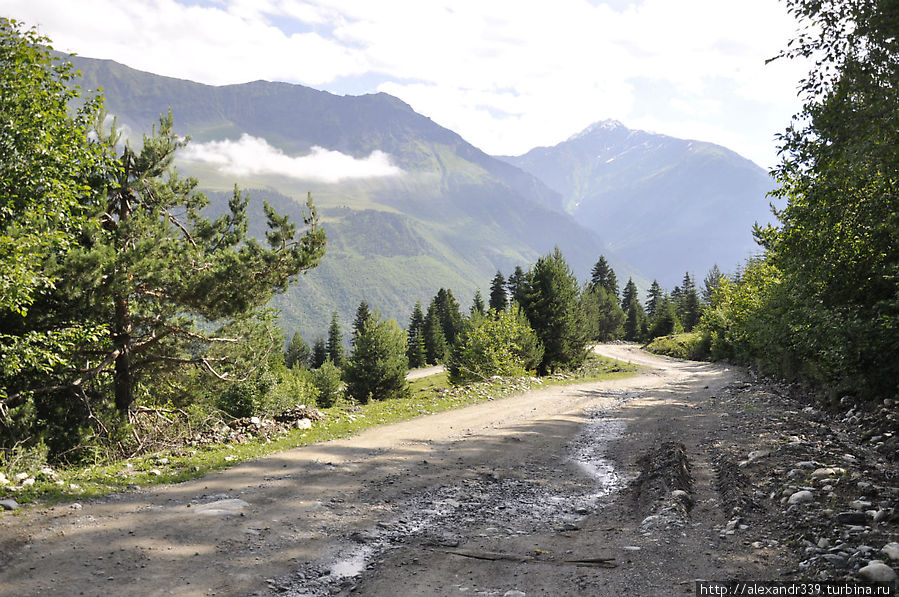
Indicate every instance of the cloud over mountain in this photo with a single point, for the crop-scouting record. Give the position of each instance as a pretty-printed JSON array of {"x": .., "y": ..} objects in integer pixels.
[{"x": 254, "y": 156}]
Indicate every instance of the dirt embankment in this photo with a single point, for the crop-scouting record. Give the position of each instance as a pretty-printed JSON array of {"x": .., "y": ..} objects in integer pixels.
[{"x": 632, "y": 487}]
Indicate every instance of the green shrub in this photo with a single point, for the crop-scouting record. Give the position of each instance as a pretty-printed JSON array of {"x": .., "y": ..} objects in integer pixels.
[
  {"x": 496, "y": 344},
  {"x": 691, "y": 345},
  {"x": 327, "y": 384}
]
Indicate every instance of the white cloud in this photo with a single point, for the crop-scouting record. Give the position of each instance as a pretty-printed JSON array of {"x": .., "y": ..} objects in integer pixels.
[
  {"x": 254, "y": 156},
  {"x": 569, "y": 62}
]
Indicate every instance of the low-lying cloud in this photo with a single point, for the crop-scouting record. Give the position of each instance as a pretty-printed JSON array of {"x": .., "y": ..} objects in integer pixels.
[{"x": 250, "y": 156}]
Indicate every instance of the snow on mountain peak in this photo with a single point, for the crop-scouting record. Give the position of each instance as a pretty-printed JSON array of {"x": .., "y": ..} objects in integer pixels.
[{"x": 602, "y": 125}]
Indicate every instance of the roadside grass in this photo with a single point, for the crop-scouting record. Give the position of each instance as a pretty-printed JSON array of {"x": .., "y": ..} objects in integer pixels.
[
  {"x": 689, "y": 345},
  {"x": 428, "y": 395}
]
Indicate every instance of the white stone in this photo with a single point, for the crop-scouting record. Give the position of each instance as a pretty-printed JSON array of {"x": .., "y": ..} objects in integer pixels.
[
  {"x": 801, "y": 497},
  {"x": 877, "y": 571},
  {"x": 304, "y": 424},
  {"x": 891, "y": 550}
]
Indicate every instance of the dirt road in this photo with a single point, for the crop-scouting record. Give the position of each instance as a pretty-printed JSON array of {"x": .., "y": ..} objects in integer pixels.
[{"x": 523, "y": 495}]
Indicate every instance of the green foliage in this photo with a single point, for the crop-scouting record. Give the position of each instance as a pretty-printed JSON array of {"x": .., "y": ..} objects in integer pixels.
[
  {"x": 603, "y": 318},
  {"x": 449, "y": 313},
  {"x": 603, "y": 275},
  {"x": 654, "y": 299},
  {"x": 477, "y": 304},
  {"x": 327, "y": 384},
  {"x": 434, "y": 338},
  {"x": 319, "y": 353},
  {"x": 500, "y": 343},
  {"x": 498, "y": 298},
  {"x": 416, "y": 350},
  {"x": 335, "y": 341},
  {"x": 297, "y": 353},
  {"x": 665, "y": 321},
  {"x": 824, "y": 303},
  {"x": 692, "y": 345},
  {"x": 689, "y": 309},
  {"x": 363, "y": 312},
  {"x": 377, "y": 368},
  {"x": 636, "y": 323},
  {"x": 551, "y": 301}
]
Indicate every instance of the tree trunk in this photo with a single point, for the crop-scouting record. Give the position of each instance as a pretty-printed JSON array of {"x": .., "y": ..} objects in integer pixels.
[{"x": 122, "y": 337}]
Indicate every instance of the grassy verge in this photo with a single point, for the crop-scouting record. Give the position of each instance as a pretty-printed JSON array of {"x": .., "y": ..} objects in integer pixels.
[
  {"x": 690, "y": 345},
  {"x": 428, "y": 395}
]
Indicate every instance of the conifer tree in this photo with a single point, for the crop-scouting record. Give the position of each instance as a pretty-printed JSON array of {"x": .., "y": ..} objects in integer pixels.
[
  {"x": 603, "y": 275},
  {"x": 552, "y": 306},
  {"x": 434, "y": 339},
  {"x": 603, "y": 317},
  {"x": 297, "y": 353},
  {"x": 449, "y": 314},
  {"x": 689, "y": 310},
  {"x": 477, "y": 304},
  {"x": 498, "y": 299},
  {"x": 319, "y": 353},
  {"x": 629, "y": 295},
  {"x": 335, "y": 341},
  {"x": 416, "y": 350},
  {"x": 515, "y": 284},
  {"x": 377, "y": 368},
  {"x": 710, "y": 283},
  {"x": 654, "y": 298},
  {"x": 362, "y": 314}
]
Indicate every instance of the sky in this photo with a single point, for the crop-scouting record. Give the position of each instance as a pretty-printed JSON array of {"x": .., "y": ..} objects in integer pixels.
[{"x": 507, "y": 75}]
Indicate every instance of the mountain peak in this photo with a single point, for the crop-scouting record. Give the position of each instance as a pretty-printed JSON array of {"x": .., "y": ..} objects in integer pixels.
[{"x": 602, "y": 125}]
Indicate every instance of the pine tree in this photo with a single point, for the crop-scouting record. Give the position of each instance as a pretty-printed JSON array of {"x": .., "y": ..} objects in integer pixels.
[
  {"x": 449, "y": 313},
  {"x": 335, "y": 341},
  {"x": 498, "y": 299},
  {"x": 710, "y": 283},
  {"x": 665, "y": 321},
  {"x": 629, "y": 295},
  {"x": 552, "y": 305},
  {"x": 603, "y": 317},
  {"x": 477, "y": 304},
  {"x": 377, "y": 368},
  {"x": 362, "y": 314},
  {"x": 517, "y": 280},
  {"x": 635, "y": 322},
  {"x": 434, "y": 339},
  {"x": 689, "y": 310},
  {"x": 416, "y": 350},
  {"x": 603, "y": 275},
  {"x": 297, "y": 353},
  {"x": 319, "y": 353},
  {"x": 655, "y": 297}
]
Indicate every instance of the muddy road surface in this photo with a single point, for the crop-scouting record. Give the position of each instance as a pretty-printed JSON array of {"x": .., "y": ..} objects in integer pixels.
[{"x": 594, "y": 489}]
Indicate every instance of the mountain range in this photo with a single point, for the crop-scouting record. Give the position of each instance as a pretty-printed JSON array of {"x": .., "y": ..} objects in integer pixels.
[
  {"x": 410, "y": 206},
  {"x": 666, "y": 206}
]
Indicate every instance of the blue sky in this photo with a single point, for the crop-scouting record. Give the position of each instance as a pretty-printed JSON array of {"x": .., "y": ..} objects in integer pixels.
[{"x": 507, "y": 75}]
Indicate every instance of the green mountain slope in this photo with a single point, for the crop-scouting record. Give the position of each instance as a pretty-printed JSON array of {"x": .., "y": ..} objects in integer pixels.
[
  {"x": 452, "y": 218},
  {"x": 664, "y": 205}
]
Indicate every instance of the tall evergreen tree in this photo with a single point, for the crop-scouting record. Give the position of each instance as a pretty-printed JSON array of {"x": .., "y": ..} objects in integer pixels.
[
  {"x": 416, "y": 350},
  {"x": 635, "y": 322},
  {"x": 362, "y": 314},
  {"x": 552, "y": 305},
  {"x": 517, "y": 279},
  {"x": 603, "y": 275},
  {"x": 711, "y": 281},
  {"x": 665, "y": 321},
  {"x": 449, "y": 314},
  {"x": 335, "y": 341},
  {"x": 603, "y": 317},
  {"x": 297, "y": 353},
  {"x": 477, "y": 304},
  {"x": 689, "y": 310},
  {"x": 653, "y": 300},
  {"x": 319, "y": 353},
  {"x": 377, "y": 368},
  {"x": 629, "y": 295},
  {"x": 498, "y": 299},
  {"x": 435, "y": 340}
]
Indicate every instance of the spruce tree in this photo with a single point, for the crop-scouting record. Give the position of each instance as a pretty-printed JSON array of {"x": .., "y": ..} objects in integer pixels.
[
  {"x": 477, "y": 304},
  {"x": 297, "y": 353},
  {"x": 377, "y": 368},
  {"x": 629, "y": 295},
  {"x": 319, "y": 353},
  {"x": 362, "y": 314},
  {"x": 635, "y": 322},
  {"x": 516, "y": 283},
  {"x": 655, "y": 297},
  {"x": 603, "y": 275},
  {"x": 552, "y": 305},
  {"x": 498, "y": 299},
  {"x": 603, "y": 317},
  {"x": 710, "y": 283},
  {"x": 416, "y": 350},
  {"x": 689, "y": 310},
  {"x": 335, "y": 341},
  {"x": 434, "y": 339},
  {"x": 449, "y": 313}
]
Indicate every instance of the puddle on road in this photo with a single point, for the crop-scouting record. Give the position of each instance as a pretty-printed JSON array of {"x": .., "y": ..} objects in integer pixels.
[{"x": 496, "y": 505}]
